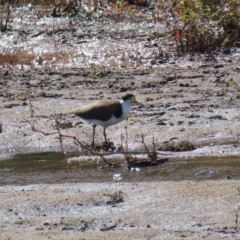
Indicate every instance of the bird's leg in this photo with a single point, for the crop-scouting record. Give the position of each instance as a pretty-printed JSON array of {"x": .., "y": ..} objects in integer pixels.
[
  {"x": 104, "y": 134},
  {"x": 94, "y": 126}
]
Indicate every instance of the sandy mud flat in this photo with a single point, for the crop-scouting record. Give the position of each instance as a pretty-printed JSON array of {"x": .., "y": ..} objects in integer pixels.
[
  {"x": 153, "y": 210},
  {"x": 204, "y": 112}
]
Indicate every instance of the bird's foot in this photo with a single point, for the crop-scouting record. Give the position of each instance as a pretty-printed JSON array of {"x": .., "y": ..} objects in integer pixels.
[
  {"x": 108, "y": 146},
  {"x": 104, "y": 146}
]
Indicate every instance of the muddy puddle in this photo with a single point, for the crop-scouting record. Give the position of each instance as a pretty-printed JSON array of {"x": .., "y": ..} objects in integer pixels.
[{"x": 39, "y": 168}]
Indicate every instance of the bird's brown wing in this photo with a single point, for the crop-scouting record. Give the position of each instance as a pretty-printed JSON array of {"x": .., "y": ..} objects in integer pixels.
[{"x": 101, "y": 110}]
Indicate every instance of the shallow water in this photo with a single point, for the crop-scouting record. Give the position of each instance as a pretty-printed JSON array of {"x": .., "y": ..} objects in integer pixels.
[{"x": 38, "y": 168}]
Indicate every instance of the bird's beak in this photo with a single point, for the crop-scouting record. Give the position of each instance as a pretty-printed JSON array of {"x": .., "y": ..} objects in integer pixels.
[
  {"x": 134, "y": 100},
  {"x": 140, "y": 104}
]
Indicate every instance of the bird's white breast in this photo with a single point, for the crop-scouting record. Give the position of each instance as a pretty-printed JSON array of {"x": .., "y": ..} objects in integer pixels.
[
  {"x": 113, "y": 120},
  {"x": 126, "y": 108}
]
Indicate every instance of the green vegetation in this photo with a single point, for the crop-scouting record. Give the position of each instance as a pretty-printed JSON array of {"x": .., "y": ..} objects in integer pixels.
[{"x": 204, "y": 25}]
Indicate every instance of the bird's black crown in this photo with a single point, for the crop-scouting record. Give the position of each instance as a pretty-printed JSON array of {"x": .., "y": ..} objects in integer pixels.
[{"x": 128, "y": 96}]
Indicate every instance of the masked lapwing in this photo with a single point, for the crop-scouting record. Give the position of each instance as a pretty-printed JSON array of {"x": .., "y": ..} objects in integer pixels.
[{"x": 105, "y": 112}]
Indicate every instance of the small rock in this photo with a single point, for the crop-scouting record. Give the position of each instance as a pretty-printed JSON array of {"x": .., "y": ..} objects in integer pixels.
[
  {"x": 124, "y": 89},
  {"x": 82, "y": 226},
  {"x": 107, "y": 228},
  {"x": 67, "y": 228},
  {"x": 162, "y": 123},
  {"x": 39, "y": 228},
  {"x": 219, "y": 66},
  {"x": 19, "y": 222},
  {"x": 180, "y": 122}
]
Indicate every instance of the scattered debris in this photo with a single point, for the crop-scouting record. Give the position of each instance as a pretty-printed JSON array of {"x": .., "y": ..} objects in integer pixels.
[
  {"x": 184, "y": 145},
  {"x": 132, "y": 169},
  {"x": 117, "y": 176},
  {"x": 115, "y": 198}
]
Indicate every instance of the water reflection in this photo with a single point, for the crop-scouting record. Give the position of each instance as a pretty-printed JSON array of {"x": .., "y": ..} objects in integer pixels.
[{"x": 50, "y": 168}]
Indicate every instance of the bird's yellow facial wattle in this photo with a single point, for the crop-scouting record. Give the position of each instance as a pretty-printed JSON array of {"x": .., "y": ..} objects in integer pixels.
[{"x": 132, "y": 99}]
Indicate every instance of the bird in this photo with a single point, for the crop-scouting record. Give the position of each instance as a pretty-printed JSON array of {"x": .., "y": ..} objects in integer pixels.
[{"x": 105, "y": 113}]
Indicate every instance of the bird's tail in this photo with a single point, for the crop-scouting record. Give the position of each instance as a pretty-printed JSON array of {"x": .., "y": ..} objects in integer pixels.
[{"x": 73, "y": 111}]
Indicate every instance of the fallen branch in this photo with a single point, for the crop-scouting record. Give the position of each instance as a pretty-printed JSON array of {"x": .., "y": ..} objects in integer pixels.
[{"x": 61, "y": 136}]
